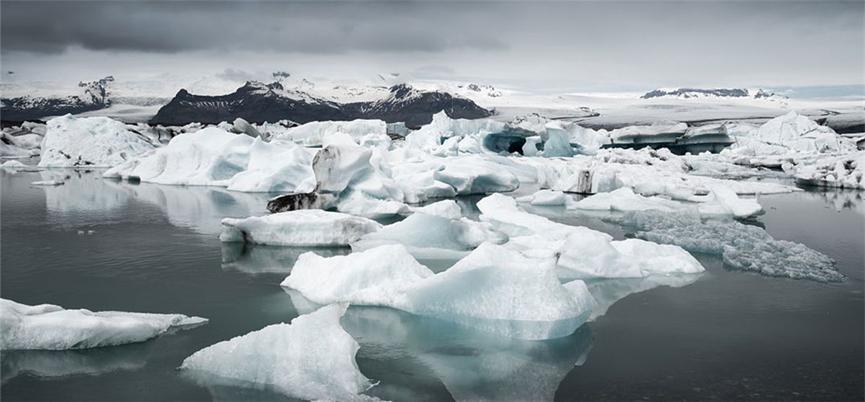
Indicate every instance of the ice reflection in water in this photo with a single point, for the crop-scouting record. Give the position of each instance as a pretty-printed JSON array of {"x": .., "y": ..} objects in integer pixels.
[
  {"x": 62, "y": 363},
  {"x": 471, "y": 364}
]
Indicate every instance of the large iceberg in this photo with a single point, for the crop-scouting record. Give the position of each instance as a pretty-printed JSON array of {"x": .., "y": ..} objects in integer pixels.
[
  {"x": 306, "y": 227},
  {"x": 743, "y": 247},
  {"x": 376, "y": 277},
  {"x": 90, "y": 142},
  {"x": 311, "y": 358},
  {"x": 214, "y": 157},
  {"x": 493, "y": 289},
  {"x": 51, "y": 327},
  {"x": 316, "y": 133}
]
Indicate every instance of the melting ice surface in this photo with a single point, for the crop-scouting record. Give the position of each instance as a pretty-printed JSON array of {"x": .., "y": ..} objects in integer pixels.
[{"x": 743, "y": 247}]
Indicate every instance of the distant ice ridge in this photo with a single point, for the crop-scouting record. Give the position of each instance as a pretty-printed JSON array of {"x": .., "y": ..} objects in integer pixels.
[
  {"x": 743, "y": 247},
  {"x": 493, "y": 289},
  {"x": 90, "y": 142},
  {"x": 310, "y": 358},
  {"x": 51, "y": 327}
]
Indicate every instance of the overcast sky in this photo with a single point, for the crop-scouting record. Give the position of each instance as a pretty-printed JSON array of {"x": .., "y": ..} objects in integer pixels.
[{"x": 589, "y": 46}]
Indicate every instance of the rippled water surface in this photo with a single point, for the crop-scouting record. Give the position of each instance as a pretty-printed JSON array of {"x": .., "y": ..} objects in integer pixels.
[{"x": 105, "y": 245}]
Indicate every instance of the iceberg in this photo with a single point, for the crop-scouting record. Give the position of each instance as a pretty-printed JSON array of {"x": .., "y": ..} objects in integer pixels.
[
  {"x": 304, "y": 228},
  {"x": 445, "y": 209},
  {"x": 742, "y": 247},
  {"x": 214, "y": 157},
  {"x": 498, "y": 290},
  {"x": 547, "y": 198},
  {"x": 91, "y": 142},
  {"x": 431, "y": 236},
  {"x": 375, "y": 277},
  {"x": 493, "y": 289},
  {"x": 847, "y": 171},
  {"x": 50, "y": 327},
  {"x": 310, "y": 358},
  {"x": 315, "y": 133},
  {"x": 474, "y": 174}
]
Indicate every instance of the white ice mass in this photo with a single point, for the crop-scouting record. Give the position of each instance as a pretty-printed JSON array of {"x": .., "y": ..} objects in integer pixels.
[
  {"x": 308, "y": 227},
  {"x": 90, "y": 142},
  {"x": 493, "y": 289},
  {"x": 51, "y": 327},
  {"x": 310, "y": 358}
]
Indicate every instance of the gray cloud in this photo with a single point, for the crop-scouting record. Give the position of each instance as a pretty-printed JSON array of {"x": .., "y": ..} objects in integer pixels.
[{"x": 591, "y": 45}]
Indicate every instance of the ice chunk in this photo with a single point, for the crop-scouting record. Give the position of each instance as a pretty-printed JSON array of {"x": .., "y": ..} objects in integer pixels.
[
  {"x": 500, "y": 291},
  {"x": 317, "y": 132},
  {"x": 13, "y": 165},
  {"x": 502, "y": 212},
  {"x": 847, "y": 171},
  {"x": 375, "y": 277},
  {"x": 800, "y": 133},
  {"x": 445, "y": 209},
  {"x": 546, "y": 198},
  {"x": 306, "y": 227},
  {"x": 48, "y": 183},
  {"x": 590, "y": 254},
  {"x": 311, "y": 358},
  {"x": 51, "y": 327},
  {"x": 90, "y": 141},
  {"x": 493, "y": 289},
  {"x": 724, "y": 201},
  {"x": 208, "y": 157},
  {"x": 430, "y": 236},
  {"x": 283, "y": 168},
  {"x": 743, "y": 247},
  {"x": 360, "y": 203},
  {"x": 624, "y": 199},
  {"x": 336, "y": 165},
  {"x": 474, "y": 174}
]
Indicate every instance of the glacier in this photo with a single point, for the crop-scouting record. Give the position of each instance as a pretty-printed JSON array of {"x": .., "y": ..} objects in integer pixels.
[{"x": 50, "y": 327}]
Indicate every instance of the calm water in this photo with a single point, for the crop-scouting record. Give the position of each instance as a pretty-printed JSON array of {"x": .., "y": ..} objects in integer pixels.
[{"x": 728, "y": 335}]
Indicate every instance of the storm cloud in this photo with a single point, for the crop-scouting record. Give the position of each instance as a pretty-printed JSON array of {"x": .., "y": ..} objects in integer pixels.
[{"x": 593, "y": 45}]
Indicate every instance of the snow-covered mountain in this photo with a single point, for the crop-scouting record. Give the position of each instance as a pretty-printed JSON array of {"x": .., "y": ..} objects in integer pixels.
[
  {"x": 259, "y": 102},
  {"x": 93, "y": 95},
  {"x": 722, "y": 93}
]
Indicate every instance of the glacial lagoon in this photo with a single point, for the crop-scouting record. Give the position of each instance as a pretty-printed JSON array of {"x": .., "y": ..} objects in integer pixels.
[{"x": 109, "y": 245}]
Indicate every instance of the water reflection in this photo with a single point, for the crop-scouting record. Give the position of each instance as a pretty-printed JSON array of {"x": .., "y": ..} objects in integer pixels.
[
  {"x": 48, "y": 364},
  {"x": 609, "y": 291},
  {"x": 471, "y": 364},
  {"x": 258, "y": 259},
  {"x": 87, "y": 195}
]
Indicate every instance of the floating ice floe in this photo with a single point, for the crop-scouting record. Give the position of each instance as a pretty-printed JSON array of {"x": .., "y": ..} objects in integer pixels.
[
  {"x": 306, "y": 227},
  {"x": 721, "y": 201},
  {"x": 847, "y": 171},
  {"x": 546, "y": 198},
  {"x": 432, "y": 236},
  {"x": 48, "y": 183},
  {"x": 743, "y": 247},
  {"x": 310, "y": 358},
  {"x": 579, "y": 252},
  {"x": 13, "y": 165},
  {"x": 52, "y": 327},
  {"x": 493, "y": 289},
  {"x": 376, "y": 277},
  {"x": 90, "y": 142}
]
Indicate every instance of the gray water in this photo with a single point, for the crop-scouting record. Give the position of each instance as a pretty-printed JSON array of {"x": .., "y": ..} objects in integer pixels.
[{"x": 726, "y": 336}]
